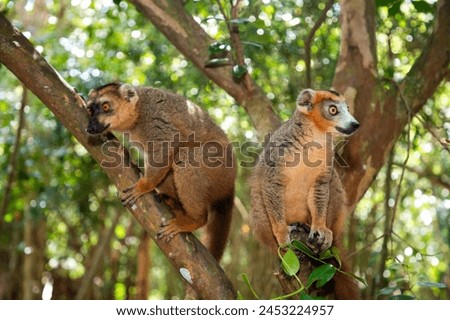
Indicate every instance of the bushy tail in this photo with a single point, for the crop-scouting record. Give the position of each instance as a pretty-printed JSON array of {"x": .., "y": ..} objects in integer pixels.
[{"x": 218, "y": 227}]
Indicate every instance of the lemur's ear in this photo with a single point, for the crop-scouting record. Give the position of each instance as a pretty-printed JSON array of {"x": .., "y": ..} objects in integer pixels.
[
  {"x": 128, "y": 93},
  {"x": 305, "y": 100}
]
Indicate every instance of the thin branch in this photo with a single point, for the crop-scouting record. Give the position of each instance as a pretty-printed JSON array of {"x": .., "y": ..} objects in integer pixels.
[
  {"x": 408, "y": 148},
  {"x": 427, "y": 174},
  {"x": 431, "y": 66},
  {"x": 235, "y": 37},
  {"x": 222, "y": 10},
  {"x": 388, "y": 221},
  {"x": 445, "y": 143},
  {"x": 241, "y": 209},
  {"x": 366, "y": 246},
  {"x": 415, "y": 248},
  {"x": 309, "y": 39}
]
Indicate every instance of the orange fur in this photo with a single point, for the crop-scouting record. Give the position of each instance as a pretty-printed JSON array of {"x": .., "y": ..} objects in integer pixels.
[
  {"x": 326, "y": 95},
  {"x": 321, "y": 123},
  {"x": 143, "y": 185}
]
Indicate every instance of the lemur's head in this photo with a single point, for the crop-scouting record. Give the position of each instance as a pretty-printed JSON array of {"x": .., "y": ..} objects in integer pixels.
[
  {"x": 328, "y": 110},
  {"x": 113, "y": 107}
]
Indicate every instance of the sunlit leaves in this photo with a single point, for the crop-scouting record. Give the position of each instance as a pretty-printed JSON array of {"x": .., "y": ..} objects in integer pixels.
[
  {"x": 423, "y": 6},
  {"x": 218, "y": 49}
]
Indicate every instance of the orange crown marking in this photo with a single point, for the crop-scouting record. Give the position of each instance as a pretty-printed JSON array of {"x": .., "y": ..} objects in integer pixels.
[{"x": 326, "y": 95}]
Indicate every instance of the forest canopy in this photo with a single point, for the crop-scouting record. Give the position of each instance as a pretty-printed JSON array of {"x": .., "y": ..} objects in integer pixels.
[{"x": 63, "y": 231}]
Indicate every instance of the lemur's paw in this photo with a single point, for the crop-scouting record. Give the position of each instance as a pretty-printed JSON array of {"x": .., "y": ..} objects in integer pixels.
[
  {"x": 130, "y": 195},
  {"x": 320, "y": 239},
  {"x": 168, "y": 231}
]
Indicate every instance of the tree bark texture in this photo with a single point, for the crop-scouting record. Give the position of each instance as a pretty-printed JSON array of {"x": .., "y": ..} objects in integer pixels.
[{"x": 185, "y": 252}]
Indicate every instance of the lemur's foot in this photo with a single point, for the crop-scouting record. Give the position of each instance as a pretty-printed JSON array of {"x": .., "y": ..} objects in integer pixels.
[
  {"x": 168, "y": 230},
  {"x": 320, "y": 239},
  {"x": 130, "y": 195},
  {"x": 134, "y": 192}
]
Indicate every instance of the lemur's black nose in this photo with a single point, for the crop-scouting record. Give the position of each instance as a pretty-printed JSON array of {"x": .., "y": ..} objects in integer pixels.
[{"x": 354, "y": 125}]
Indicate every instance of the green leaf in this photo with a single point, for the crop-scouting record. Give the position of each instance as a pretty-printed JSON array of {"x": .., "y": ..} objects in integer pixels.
[
  {"x": 302, "y": 247},
  {"x": 240, "y": 21},
  {"x": 386, "y": 291},
  {"x": 327, "y": 254},
  {"x": 218, "y": 47},
  {"x": 389, "y": 72},
  {"x": 337, "y": 255},
  {"x": 290, "y": 263},
  {"x": 428, "y": 284},
  {"x": 394, "y": 9},
  {"x": 305, "y": 296},
  {"x": 402, "y": 297},
  {"x": 322, "y": 275},
  {"x": 240, "y": 296},
  {"x": 423, "y": 6},
  {"x": 385, "y": 3},
  {"x": 254, "y": 44},
  {"x": 331, "y": 253},
  {"x": 218, "y": 62},
  {"x": 239, "y": 71}
]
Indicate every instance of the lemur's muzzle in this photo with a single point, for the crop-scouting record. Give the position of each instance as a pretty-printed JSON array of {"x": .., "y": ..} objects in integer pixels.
[
  {"x": 95, "y": 127},
  {"x": 350, "y": 129}
]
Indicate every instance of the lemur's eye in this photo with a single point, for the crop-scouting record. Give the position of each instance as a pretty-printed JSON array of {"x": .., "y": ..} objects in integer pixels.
[
  {"x": 105, "y": 106},
  {"x": 333, "y": 110}
]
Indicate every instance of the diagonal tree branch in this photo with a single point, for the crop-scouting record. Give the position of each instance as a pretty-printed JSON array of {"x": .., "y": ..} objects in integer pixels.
[
  {"x": 180, "y": 28},
  {"x": 431, "y": 67},
  {"x": 184, "y": 252}
]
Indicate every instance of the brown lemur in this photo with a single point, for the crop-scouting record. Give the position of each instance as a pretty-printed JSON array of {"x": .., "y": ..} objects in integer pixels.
[
  {"x": 294, "y": 180},
  {"x": 188, "y": 159}
]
